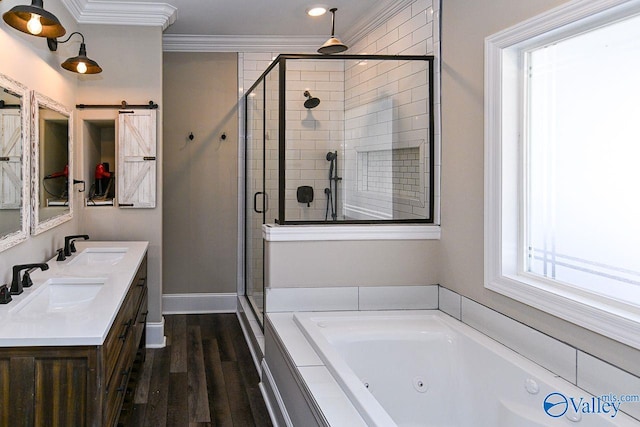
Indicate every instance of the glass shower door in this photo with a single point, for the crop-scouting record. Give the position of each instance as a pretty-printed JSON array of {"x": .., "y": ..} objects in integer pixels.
[
  {"x": 262, "y": 147},
  {"x": 255, "y": 200}
]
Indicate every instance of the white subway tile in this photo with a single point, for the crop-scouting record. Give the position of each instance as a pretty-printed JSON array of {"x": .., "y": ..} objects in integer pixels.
[
  {"x": 387, "y": 39},
  {"x": 398, "y": 297},
  {"x": 422, "y": 33},
  {"x": 399, "y": 18},
  {"x": 311, "y": 299},
  {"x": 600, "y": 378},
  {"x": 316, "y": 76},
  {"x": 420, "y": 6},
  {"x": 542, "y": 349},
  {"x": 412, "y": 25}
]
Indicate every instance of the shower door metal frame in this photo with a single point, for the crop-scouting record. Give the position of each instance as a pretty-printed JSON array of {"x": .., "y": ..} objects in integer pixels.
[
  {"x": 259, "y": 316},
  {"x": 282, "y": 60}
]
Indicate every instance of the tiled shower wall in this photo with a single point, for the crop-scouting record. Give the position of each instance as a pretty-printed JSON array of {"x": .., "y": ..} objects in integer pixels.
[
  {"x": 387, "y": 120},
  {"x": 312, "y": 133}
]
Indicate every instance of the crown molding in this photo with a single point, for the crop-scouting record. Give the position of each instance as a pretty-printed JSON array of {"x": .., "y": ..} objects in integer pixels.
[
  {"x": 372, "y": 19},
  {"x": 121, "y": 12},
  {"x": 203, "y": 43}
]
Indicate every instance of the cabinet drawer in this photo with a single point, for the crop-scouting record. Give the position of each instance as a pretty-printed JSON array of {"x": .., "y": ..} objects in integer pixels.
[
  {"x": 117, "y": 387},
  {"x": 117, "y": 337},
  {"x": 141, "y": 319}
]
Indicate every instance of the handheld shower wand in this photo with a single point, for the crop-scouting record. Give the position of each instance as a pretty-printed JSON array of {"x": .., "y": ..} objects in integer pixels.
[{"x": 332, "y": 191}]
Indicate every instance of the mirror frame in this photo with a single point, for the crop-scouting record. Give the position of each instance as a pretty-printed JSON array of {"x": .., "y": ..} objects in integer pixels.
[
  {"x": 12, "y": 239},
  {"x": 38, "y": 100}
]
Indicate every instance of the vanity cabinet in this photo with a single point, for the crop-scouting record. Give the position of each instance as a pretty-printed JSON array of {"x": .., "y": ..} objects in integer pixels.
[{"x": 77, "y": 385}]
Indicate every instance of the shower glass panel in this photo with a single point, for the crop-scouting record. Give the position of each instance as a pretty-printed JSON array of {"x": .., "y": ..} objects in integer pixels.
[
  {"x": 355, "y": 137},
  {"x": 261, "y": 171}
]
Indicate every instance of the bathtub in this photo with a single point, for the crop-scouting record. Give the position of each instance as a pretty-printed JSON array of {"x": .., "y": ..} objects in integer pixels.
[{"x": 409, "y": 368}]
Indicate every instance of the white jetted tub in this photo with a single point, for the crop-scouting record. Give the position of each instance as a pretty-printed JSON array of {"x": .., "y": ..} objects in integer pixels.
[{"x": 411, "y": 369}]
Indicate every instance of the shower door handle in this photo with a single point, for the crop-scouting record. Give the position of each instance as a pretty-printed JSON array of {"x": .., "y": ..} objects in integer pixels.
[{"x": 255, "y": 201}]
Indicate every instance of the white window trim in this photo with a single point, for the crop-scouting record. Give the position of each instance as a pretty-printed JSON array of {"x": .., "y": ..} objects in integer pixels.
[{"x": 504, "y": 180}]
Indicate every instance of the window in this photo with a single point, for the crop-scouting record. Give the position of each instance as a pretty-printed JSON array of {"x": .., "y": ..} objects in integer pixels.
[{"x": 562, "y": 217}]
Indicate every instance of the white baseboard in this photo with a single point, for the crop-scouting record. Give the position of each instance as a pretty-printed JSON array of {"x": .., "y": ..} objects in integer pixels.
[
  {"x": 197, "y": 303},
  {"x": 155, "y": 335}
]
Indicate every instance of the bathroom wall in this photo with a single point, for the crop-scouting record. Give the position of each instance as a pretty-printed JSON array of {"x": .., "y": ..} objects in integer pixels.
[
  {"x": 465, "y": 25},
  {"x": 311, "y": 133},
  {"x": 131, "y": 59},
  {"x": 200, "y": 175},
  {"x": 28, "y": 60}
]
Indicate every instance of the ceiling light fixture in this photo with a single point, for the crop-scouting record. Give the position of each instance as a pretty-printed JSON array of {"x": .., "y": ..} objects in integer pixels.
[
  {"x": 34, "y": 20},
  {"x": 333, "y": 45},
  {"x": 78, "y": 64},
  {"x": 317, "y": 10}
]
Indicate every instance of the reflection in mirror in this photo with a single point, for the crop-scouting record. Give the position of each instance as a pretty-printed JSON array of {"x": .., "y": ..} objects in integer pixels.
[
  {"x": 14, "y": 160},
  {"x": 51, "y": 150}
]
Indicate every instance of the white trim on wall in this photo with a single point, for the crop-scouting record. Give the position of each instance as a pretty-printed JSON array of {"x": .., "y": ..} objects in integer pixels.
[
  {"x": 155, "y": 334},
  {"x": 195, "y": 303},
  {"x": 292, "y": 233},
  {"x": 240, "y": 43},
  {"x": 122, "y": 12}
]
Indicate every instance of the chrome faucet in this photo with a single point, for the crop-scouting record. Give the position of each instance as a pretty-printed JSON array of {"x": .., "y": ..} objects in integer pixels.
[
  {"x": 69, "y": 246},
  {"x": 16, "y": 284}
]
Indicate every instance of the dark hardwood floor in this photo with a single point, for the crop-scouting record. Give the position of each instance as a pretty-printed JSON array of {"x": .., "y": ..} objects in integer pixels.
[{"x": 203, "y": 377}]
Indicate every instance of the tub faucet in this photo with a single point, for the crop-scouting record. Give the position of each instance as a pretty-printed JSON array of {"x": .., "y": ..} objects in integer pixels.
[
  {"x": 69, "y": 246},
  {"x": 17, "y": 284}
]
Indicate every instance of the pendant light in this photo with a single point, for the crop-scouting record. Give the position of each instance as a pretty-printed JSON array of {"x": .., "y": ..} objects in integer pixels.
[
  {"x": 80, "y": 64},
  {"x": 34, "y": 20},
  {"x": 333, "y": 45}
]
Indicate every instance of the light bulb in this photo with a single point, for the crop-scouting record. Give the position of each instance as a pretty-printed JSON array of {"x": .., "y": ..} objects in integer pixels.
[
  {"x": 82, "y": 67},
  {"x": 316, "y": 11},
  {"x": 34, "y": 26}
]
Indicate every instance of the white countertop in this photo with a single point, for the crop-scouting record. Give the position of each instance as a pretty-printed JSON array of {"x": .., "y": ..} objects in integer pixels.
[{"x": 85, "y": 324}]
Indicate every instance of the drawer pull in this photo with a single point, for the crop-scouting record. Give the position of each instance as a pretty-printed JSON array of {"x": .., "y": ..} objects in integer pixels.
[
  {"x": 142, "y": 282},
  {"x": 127, "y": 325},
  {"x": 145, "y": 317}
]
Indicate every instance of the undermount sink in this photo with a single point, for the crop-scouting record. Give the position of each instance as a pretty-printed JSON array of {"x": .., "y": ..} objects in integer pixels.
[
  {"x": 59, "y": 295},
  {"x": 98, "y": 257}
]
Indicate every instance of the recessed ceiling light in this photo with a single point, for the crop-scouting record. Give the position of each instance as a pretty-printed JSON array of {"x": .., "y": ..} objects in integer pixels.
[{"x": 317, "y": 10}]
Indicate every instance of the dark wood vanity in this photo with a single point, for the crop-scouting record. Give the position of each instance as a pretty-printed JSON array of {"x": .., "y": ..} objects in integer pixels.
[{"x": 78, "y": 385}]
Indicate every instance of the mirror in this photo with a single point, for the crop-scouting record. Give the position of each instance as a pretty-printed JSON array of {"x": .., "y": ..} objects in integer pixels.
[
  {"x": 14, "y": 162},
  {"x": 52, "y": 179}
]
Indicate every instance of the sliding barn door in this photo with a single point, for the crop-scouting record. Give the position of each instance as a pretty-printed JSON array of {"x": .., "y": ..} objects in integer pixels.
[{"x": 136, "y": 175}]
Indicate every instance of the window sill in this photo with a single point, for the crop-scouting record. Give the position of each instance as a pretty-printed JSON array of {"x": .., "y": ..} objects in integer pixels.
[{"x": 306, "y": 233}]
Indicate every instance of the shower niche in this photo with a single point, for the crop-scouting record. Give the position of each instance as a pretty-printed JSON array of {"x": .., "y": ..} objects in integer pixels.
[{"x": 356, "y": 129}]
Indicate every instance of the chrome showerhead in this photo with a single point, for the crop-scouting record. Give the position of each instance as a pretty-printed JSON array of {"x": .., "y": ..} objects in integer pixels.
[
  {"x": 333, "y": 45},
  {"x": 311, "y": 102}
]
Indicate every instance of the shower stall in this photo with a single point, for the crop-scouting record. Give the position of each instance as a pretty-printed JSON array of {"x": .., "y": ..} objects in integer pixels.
[{"x": 336, "y": 139}]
